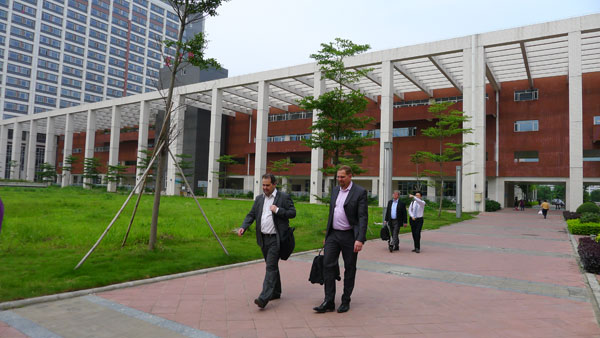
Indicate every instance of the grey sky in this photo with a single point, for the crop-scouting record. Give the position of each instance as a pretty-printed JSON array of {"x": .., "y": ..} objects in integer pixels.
[{"x": 251, "y": 36}]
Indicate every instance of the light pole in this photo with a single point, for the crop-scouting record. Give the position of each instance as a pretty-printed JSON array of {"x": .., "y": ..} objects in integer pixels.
[{"x": 458, "y": 191}]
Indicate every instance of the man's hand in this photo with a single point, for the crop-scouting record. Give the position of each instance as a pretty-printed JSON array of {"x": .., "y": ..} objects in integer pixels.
[
  {"x": 240, "y": 231},
  {"x": 357, "y": 246},
  {"x": 411, "y": 195},
  {"x": 414, "y": 219},
  {"x": 274, "y": 208}
]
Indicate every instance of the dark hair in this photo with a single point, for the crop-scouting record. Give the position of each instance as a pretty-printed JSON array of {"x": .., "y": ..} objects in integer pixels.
[
  {"x": 346, "y": 168},
  {"x": 271, "y": 177},
  {"x": 418, "y": 192}
]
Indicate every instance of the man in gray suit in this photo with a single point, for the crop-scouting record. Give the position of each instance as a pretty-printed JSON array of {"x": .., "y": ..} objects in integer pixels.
[
  {"x": 272, "y": 212},
  {"x": 346, "y": 233}
]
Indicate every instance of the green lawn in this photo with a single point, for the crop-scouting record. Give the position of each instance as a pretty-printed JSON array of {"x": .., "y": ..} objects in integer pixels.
[{"x": 47, "y": 231}]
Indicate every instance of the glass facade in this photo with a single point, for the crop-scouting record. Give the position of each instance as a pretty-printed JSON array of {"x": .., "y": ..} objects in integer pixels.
[{"x": 58, "y": 53}]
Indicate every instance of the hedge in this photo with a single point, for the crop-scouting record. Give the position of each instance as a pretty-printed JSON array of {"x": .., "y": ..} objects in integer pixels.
[
  {"x": 577, "y": 228},
  {"x": 588, "y": 207},
  {"x": 589, "y": 251}
]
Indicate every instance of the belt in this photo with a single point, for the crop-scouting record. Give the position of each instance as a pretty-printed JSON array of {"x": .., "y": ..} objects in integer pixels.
[
  {"x": 269, "y": 235},
  {"x": 342, "y": 230}
]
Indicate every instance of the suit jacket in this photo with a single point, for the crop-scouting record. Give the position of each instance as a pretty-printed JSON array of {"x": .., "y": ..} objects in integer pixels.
[
  {"x": 400, "y": 212},
  {"x": 281, "y": 219},
  {"x": 356, "y": 209}
]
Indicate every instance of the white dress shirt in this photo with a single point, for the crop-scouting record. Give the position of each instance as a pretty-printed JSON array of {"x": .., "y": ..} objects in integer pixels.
[
  {"x": 267, "y": 226},
  {"x": 417, "y": 206}
]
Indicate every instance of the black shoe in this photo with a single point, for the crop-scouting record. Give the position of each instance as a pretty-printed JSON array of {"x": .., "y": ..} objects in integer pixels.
[
  {"x": 275, "y": 296},
  {"x": 391, "y": 248},
  {"x": 414, "y": 250},
  {"x": 343, "y": 308},
  {"x": 417, "y": 250},
  {"x": 396, "y": 248},
  {"x": 261, "y": 303},
  {"x": 325, "y": 307}
]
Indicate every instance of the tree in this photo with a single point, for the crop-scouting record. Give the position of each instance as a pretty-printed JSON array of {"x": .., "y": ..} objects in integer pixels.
[
  {"x": 448, "y": 124},
  {"x": 115, "y": 173},
  {"x": 338, "y": 119},
  {"x": 283, "y": 165},
  {"x": 418, "y": 158},
  {"x": 69, "y": 161},
  {"x": 224, "y": 160},
  {"x": 47, "y": 172},
  {"x": 90, "y": 171},
  {"x": 143, "y": 162},
  {"x": 183, "y": 52},
  {"x": 184, "y": 164}
]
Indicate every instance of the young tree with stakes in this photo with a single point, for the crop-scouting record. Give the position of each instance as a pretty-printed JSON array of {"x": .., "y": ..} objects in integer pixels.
[
  {"x": 338, "y": 111},
  {"x": 448, "y": 124},
  {"x": 189, "y": 52}
]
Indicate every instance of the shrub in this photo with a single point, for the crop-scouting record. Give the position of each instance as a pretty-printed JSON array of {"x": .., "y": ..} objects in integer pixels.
[
  {"x": 588, "y": 207},
  {"x": 589, "y": 251},
  {"x": 491, "y": 205},
  {"x": 570, "y": 215},
  {"x": 577, "y": 228},
  {"x": 590, "y": 217}
]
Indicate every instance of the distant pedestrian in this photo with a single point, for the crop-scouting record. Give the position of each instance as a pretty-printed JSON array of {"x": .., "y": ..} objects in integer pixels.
[
  {"x": 545, "y": 208},
  {"x": 415, "y": 211},
  {"x": 395, "y": 217},
  {"x": 516, "y": 204},
  {"x": 522, "y": 204}
]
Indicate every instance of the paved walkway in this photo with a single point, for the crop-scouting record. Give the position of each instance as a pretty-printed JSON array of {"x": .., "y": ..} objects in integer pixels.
[{"x": 503, "y": 274}]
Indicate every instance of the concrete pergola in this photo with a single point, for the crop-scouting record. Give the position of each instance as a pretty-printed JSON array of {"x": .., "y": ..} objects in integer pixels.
[{"x": 567, "y": 47}]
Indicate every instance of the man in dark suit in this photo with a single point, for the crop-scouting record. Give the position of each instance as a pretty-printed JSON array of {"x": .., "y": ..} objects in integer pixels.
[
  {"x": 272, "y": 212},
  {"x": 395, "y": 217},
  {"x": 346, "y": 233}
]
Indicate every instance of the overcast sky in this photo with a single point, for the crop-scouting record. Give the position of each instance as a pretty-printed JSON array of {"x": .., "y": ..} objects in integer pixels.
[{"x": 250, "y": 36}]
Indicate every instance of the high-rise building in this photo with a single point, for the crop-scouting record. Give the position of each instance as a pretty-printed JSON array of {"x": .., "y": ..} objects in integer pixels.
[{"x": 62, "y": 53}]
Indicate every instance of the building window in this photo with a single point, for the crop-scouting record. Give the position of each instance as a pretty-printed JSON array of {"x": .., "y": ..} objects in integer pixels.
[
  {"x": 526, "y": 95},
  {"x": 596, "y": 120},
  {"x": 405, "y": 132},
  {"x": 526, "y": 156},
  {"x": 591, "y": 155},
  {"x": 409, "y": 187},
  {"x": 530, "y": 125}
]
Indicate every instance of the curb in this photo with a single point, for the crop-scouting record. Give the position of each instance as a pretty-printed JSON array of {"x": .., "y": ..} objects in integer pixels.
[
  {"x": 66, "y": 295},
  {"x": 590, "y": 278}
]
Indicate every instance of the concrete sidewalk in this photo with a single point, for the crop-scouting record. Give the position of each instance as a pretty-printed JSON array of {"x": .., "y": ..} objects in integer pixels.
[{"x": 503, "y": 274}]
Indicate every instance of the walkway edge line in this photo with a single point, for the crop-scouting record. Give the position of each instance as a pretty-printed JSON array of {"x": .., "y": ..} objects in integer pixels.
[
  {"x": 65, "y": 295},
  {"x": 592, "y": 282}
]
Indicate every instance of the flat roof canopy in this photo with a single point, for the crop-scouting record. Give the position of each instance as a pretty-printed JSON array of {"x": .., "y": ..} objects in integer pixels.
[{"x": 524, "y": 53}]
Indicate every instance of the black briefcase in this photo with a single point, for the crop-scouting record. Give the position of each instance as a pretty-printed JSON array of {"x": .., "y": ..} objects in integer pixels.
[
  {"x": 287, "y": 245},
  {"x": 317, "y": 270},
  {"x": 385, "y": 232}
]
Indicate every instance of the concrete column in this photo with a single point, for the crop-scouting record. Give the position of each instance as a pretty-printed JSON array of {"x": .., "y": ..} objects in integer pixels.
[
  {"x": 214, "y": 143},
  {"x": 431, "y": 192},
  {"x": 90, "y": 142},
  {"x": 174, "y": 181},
  {"x": 284, "y": 184},
  {"x": 143, "y": 126},
  {"x": 386, "y": 132},
  {"x": 3, "y": 143},
  {"x": 375, "y": 188},
  {"x": 316, "y": 155},
  {"x": 327, "y": 186},
  {"x": 50, "y": 149},
  {"x": 15, "y": 170},
  {"x": 262, "y": 131},
  {"x": 68, "y": 149},
  {"x": 248, "y": 183},
  {"x": 473, "y": 160},
  {"x": 115, "y": 137},
  {"x": 31, "y": 150},
  {"x": 574, "y": 189}
]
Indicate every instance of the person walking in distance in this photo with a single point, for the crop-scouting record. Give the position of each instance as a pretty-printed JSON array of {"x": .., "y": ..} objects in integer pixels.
[
  {"x": 395, "y": 216},
  {"x": 346, "y": 233},
  {"x": 272, "y": 211},
  {"x": 415, "y": 211},
  {"x": 545, "y": 207}
]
